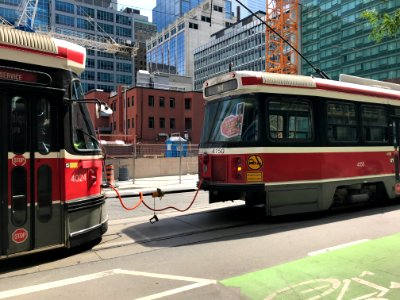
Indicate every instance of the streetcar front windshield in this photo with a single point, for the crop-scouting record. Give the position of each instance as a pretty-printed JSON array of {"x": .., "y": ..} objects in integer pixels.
[
  {"x": 83, "y": 135},
  {"x": 232, "y": 120}
]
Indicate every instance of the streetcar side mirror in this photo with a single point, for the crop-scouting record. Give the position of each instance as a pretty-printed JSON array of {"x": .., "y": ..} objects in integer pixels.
[{"x": 103, "y": 110}]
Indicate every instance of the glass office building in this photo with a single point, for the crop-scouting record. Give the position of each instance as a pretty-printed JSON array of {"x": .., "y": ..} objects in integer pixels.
[
  {"x": 336, "y": 39},
  {"x": 171, "y": 50},
  {"x": 167, "y": 11},
  {"x": 94, "y": 19},
  {"x": 242, "y": 46},
  {"x": 253, "y": 5}
]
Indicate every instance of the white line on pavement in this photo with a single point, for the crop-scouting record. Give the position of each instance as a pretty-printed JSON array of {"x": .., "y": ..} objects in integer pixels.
[
  {"x": 337, "y": 247},
  {"x": 198, "y": 282}
]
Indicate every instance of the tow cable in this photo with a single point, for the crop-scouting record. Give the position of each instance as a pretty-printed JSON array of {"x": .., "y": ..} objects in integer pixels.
[{"x": 157, "y": 194}]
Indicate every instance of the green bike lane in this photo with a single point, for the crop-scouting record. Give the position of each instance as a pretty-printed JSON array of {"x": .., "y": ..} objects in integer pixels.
[{"x": 367, "y": 270}]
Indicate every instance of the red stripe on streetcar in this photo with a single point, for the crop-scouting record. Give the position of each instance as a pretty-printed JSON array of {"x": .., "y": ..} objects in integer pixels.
[
  {"x": 251, "y": 80},
  {"x": 72, "y": 55},
  {"x": 357, "y": 91}
]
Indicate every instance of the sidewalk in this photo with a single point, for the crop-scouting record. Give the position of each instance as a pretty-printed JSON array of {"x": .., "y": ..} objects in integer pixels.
[{"x": 168, "y": 184}]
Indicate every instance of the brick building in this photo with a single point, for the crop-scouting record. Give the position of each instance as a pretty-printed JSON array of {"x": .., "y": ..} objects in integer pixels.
[{"x": 149, "y": 115}]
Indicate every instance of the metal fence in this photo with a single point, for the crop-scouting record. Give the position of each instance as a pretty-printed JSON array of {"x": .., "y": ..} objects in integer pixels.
[{"x": 139, "y": 150}]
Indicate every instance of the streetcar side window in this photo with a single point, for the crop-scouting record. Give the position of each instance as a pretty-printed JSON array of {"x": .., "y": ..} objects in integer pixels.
[
  {"x": 374, "y": 123},
  {"x": 342, "y": 122},
  {"x": 290, "y": 120}
]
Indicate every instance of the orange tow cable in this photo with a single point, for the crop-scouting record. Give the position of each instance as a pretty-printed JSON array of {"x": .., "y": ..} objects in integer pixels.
[
  {"x": 154, "y": 209},
  {"x": 122, "y": 202},
  {"x": 175, "y": 208}
]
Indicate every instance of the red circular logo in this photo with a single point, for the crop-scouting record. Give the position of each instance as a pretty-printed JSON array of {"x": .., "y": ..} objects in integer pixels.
[
  {"x": 19, "y": 235},
  {"x": 18, "y": 160}
]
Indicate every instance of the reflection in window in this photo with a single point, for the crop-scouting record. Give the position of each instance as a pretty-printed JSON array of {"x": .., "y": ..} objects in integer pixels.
[
  {"x": 44, "y": 128},
  {"x": 83, "y": 136},
  {"x": 290, "y": 120},
  {"x": 19, "y": 123},
  {"x": 232, "y": 120},
  {"x": 19, "y": 201},
  {"x": 375, "y": 124},
  {"x": 342, "y": 122},
  {"x": 44, "y": 184}
]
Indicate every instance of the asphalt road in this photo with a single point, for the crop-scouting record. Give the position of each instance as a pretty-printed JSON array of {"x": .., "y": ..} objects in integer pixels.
[{"x": 213, "y": 252}]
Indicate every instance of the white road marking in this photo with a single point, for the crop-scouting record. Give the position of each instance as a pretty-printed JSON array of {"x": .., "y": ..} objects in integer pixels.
[
  {"x": 337, "y": 247},
  {"x": 198, "y": 282},
  {"x": 54, "y": 284},
  {"x": 174, "y": 291},
  {"x": 164, "y": 276}
]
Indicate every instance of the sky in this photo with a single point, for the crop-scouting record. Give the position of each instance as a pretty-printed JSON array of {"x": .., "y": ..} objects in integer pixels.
[{"x": 145, "y": 6}]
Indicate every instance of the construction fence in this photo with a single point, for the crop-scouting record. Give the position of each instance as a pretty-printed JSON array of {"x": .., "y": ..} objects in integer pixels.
[{"x": 151, "y": 160}]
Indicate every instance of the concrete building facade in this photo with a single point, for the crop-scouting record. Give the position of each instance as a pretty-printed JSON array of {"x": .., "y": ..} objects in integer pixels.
[{"x": 239, "y": 47}]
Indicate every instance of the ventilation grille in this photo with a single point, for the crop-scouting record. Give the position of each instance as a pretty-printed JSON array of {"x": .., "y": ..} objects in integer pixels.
[{"x": 29, "y": 40}]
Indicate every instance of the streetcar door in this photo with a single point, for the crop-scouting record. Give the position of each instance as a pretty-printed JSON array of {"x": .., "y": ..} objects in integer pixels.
[
  {"x": 395, "y": 125},
  {"x": 30, "y": 203}
]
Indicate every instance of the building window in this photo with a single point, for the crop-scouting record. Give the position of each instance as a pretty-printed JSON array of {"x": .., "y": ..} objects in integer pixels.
[
  {"x": 105, "y": 65},
  {"x": 172, "y": 123},
  {"x": 162, "y": 122},
  {"x": 206, "y": 19},
  {"x": 124, "y": 20},
  {"x": 126, "y": 32},
  {"x": 162, "y": 102},
  {"x": 105, "y": 77},
  {"x": 188, "y": 103},
  {"x": 133, "y": 101},
  {"x": 107, "y": 28},
  {"x": 172, "y": 102},
  {"x": 65, "y": 7},
  {"x": 129, "y": 123},
  {"x": 151, "y": 122},
  {"x": 193, "y": 25},
  {"x": 84, "y": 24},
  {"x": 133, "y": 122},
  {"x": 151, "y": 101},
  {"x": 65, "y": 20},
  {"x": 218, "y": 8},
  {"x": 85, "y": 11},
  {"x": 188, "y": 123},
  {"x": 105, "y": 16}
]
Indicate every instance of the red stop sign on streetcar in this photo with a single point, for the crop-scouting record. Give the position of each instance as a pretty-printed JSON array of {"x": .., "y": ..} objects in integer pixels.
[{"x": 19, "y": 235}]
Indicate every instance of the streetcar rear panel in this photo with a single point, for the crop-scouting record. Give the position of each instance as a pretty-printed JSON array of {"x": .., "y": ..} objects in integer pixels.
[{"x": 297, "y": 143}]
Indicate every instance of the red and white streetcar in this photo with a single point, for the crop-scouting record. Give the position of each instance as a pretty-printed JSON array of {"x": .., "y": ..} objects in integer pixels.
[
  {"x": 297, "y": 143},
  {"x": 50, "y": 159}
]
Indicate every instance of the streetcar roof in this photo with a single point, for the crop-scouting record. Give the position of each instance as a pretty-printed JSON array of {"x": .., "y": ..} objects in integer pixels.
[
  {"x": 40, "y": 49},
  {"x": 355, "y": 88}
]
